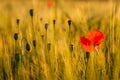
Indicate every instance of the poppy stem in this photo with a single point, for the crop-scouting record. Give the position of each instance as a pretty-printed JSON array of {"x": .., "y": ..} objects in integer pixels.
[
  {"x": 87, "y": 56},
  {"x": 95, "y": 67},
  {"x": 69, "y": 33},
  {"x": 54, "y": 22},
  {"x": 18, "y": 28}
]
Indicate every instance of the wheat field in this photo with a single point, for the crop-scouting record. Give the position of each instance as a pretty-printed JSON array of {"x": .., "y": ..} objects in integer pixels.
[{"x": 37, "y": 42}]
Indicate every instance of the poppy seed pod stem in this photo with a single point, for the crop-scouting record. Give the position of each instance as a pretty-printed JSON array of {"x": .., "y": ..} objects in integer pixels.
[
  {"x": 17, "y": 22},
  {"x": 71, "y": 47},
  {"x": 16, "y": 39},
  {"x": 87, "y": 56},
  {"x": 46, "y": 27},
  {"x": 54, "y": 22},
  {"x": 33, "y": 27},
  {"x": 69, "y": 33},
  {"x": 48, "y": 47}
]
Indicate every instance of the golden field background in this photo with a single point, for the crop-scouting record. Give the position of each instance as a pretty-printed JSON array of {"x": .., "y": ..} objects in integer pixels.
[{"x": 54, "y": 58}]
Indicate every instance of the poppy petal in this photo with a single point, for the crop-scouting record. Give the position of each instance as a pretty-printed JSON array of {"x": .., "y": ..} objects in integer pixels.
[
  {"x": 95, "y": 36},
  {"x": 50, "y": 3},
  {"x": 86, "y": 44}
]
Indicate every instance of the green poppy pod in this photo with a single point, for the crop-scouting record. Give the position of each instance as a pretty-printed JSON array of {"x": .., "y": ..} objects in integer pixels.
[
  {"x": 54, "y": 21},
  {"x": 46, "y": 26},
  {"x": 17, "y": 57},
  {"x": 34, "y": 43},
  {"x": 18, "y": 21},
  {"x": 16, "y": 36},
  {"x": 27, "y": 47},
  {"x": 69, "y": 22},
  {"x": 31, "y": 12}
]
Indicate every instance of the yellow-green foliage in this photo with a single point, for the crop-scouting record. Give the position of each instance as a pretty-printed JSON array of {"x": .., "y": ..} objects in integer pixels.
[{"x": 53, "y": 57}]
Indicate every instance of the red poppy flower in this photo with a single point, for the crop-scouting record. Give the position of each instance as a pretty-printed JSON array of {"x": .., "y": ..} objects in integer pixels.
[
  {"x": 86, "y": 44},
  {"x": 93, "y": 40},
  {"x": 50, "y": 3}
]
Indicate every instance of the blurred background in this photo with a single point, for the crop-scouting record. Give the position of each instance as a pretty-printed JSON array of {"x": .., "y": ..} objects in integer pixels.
[
  {"x": 79, "y": 9},
  {"x": 59, "y": 62}
]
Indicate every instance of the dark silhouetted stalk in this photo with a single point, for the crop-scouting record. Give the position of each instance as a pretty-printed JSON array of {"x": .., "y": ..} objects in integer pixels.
[
  {"x": 54, "y": 22},
  {"x": 55, "y": 9},
  {"x": 16, "y": 57},
  {"x": 71, "y": 47},
  {"x": 45, "y": 44},
  {"x": 16, "y": 39},
  {"x": 48, "y": 47},
  {"x": 31, "y": 12},
  {"x": 69, "y": 32},
  {"x": 87, "y": 56},
  {"x": 5, "y": 76},
  {"x": 95, "y": 67},
  {"x": 18, "y": 22},
  {"x": 46, "y": 28}
]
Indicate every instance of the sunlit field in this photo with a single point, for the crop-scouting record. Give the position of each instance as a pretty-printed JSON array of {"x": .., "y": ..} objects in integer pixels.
[{"x": 40, "y": 40}]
